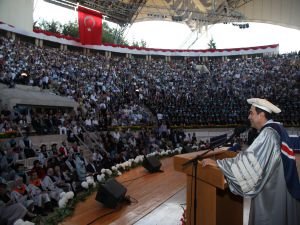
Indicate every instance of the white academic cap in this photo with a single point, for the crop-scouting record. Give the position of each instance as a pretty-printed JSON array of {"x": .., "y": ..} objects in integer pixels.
[{"x": 264, "y": 105}]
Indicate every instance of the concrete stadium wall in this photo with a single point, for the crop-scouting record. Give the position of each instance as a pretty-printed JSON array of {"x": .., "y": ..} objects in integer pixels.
[
  {"x": 18, "y": 13},
  {"x": 47, "y": 140}
]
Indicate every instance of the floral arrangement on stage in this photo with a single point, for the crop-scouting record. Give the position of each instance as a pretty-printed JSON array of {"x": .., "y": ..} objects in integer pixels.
[
  {"x": 183, "y": 217},
  {"x": 68, "y": 201},
  {"x": 22, "y": 222},
  {"x": 64, "y": 198},
  {"x": 118, "y": 169}
]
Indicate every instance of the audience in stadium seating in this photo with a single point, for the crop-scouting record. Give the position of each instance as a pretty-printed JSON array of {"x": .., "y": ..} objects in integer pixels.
[
  {"x": 11, "y": 211},
  {"x": 115, "y": 91}
]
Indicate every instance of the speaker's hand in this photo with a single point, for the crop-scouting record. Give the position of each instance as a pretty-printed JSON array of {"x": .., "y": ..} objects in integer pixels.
[{"x": 209, "y": 162}]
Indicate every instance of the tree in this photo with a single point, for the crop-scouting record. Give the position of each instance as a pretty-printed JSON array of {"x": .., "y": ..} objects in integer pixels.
[
  {"x": 107, "y": 33},
  {"x": 212, "y": 44},
  {"x": 140, "y": 43},
  {"x": 143, "y": 43},
  {"x": 52, "y": 26},
  {"x": 113, "y": 35},
  {"x": 71, "y": 29}
]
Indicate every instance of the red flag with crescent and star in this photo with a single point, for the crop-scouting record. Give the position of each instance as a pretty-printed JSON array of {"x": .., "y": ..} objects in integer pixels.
[{"x": 90, "y": 26}]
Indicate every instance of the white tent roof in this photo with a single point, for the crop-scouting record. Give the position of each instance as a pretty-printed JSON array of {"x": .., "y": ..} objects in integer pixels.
[{"x": 195, "y": 13}]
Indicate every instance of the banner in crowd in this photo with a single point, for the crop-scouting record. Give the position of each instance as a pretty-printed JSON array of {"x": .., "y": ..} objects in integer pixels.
[{"x": 90, "y": 26}]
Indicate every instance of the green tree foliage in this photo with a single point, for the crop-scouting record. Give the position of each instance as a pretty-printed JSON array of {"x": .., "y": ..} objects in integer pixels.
[
  {"x": 70, "y": 29},
  {"x": 117, "y": 35},
  {"x": 141, "y": 43},
  {"x": 109, "y": 35},
  {"x": 52, "y": 26},
  {"x": 113, "y": 35},
  {"x": 212, "y": 44}
]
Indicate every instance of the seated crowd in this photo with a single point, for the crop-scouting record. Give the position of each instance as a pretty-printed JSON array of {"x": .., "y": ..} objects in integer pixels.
[
  {"x": 62, "y": 167},
  {"x": 129, "y": 91}
]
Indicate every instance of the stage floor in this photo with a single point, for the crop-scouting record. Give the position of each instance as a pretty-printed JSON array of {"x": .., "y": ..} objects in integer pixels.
[{"x": 158, "y": 197}]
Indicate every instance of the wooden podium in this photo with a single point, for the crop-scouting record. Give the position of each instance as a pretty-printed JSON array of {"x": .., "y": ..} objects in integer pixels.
[{"x": 216, "y": 205}]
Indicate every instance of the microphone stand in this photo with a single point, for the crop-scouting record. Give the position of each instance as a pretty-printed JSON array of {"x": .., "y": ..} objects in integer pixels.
[{"x": 194, "y": 162}]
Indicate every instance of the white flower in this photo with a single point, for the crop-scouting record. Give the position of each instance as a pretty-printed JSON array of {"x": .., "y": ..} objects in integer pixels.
[
  {"x": 99, "y": 178},
  {"x": 108, "y": 171},
  {"x": 130, "y": 160},
  {"x": 122, "y": 165},
  {"x": 69, "y": 195},
  {"x": 94, "y": 184},
  {"x": 129, "y": 163},
  {"x": 22, "y": 222},
  {"x": 118, "y": 166},
  {"x": 119, "y": 173},
  {"x": 114, "y": 168},
  {"x": 62, "y": 203},
  {"x": 103, "y": 170},
  {"x": 85, "y": 185},
  {"x": 61, "y": 195},
  {"x": 153, "y": 153},
  {"x": 90, "y": 180},
  {"x": 140, "y": 158},
  {"x": 178, "y": 149}
]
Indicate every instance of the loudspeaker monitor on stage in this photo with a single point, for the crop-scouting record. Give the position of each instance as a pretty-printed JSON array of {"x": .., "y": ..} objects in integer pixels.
[
  {"x": 152, "y": 164},
  {"x": 111, "y": 193}
]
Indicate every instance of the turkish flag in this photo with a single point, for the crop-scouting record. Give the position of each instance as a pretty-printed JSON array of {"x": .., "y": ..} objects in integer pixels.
[{"x": 90, "y": 26}]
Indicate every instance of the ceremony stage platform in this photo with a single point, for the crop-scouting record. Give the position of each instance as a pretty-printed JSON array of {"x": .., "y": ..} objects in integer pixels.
[
  {"x": 159, "y": 197},
  {"x": 154, "y": 193}
]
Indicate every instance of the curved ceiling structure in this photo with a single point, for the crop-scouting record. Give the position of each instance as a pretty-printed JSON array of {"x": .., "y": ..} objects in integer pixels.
[{"x": 195, "y": 13}]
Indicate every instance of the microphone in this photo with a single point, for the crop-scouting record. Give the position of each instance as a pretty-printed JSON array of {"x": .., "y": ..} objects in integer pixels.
[
  {"x": 239, "y": 130},
  {"x": 236, "y": 132}
]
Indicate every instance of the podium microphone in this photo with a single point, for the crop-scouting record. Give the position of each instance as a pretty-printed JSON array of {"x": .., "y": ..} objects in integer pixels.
[{"x": 237, "y": 131}]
